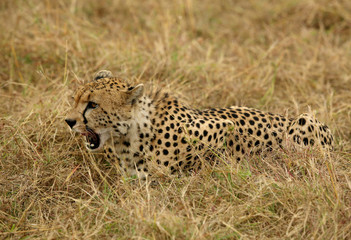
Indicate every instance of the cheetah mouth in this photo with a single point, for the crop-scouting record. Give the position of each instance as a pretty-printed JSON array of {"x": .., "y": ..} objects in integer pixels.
[{"x": 92, "y": 139}]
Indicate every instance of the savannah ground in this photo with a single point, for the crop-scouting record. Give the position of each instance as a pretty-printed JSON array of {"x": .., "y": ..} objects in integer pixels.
[{"x": 278, "y": 56}]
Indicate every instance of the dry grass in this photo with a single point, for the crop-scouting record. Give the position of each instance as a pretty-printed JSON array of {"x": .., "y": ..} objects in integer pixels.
[{"x": 281, "y": 56}]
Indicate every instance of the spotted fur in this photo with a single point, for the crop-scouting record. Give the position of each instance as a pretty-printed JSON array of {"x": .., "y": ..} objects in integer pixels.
[{"x": 137, "y": 129}]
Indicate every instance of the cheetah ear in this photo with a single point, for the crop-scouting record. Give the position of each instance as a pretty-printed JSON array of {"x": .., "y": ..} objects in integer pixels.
[
  {"x": 135, "y": 93},
  {"x": 102, "y": 74}
]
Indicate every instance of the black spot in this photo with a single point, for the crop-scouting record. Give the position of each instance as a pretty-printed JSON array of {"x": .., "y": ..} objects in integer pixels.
[
  {"x": 305, "y": 141},
  {"x": 168, "y": 144},
  {"x": 291, "y": 131},
  {"x": 166, "y": 135},
  {"x": 231, "y": 143},
  {"x": 297, "y": 139},
  {"x": 237, "y": 148},
  {"x": 310, "y": 128},
  {"x": 266, "y": 136},
  {"x": 242, "y": 122},
  {"x": 259, "y": 133},
  {"x": 140, "y": 162},
  {"x": 165, "y": 152},
  {"x": 166, "y": 163},
  {"x": 302, "y": 121},
  {"x": 175, "y": 137},
  {"x": 252, "y": 122},
  {"x": 141, "y": 147},
  {"x": 250, "y": 131}
]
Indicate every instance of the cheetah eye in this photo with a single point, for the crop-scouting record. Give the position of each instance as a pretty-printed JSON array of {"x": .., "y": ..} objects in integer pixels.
[{"x": 92, "y": 105}]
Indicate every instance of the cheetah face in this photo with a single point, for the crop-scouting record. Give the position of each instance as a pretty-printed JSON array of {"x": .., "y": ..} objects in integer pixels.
[{"x": 103, "y": 109}]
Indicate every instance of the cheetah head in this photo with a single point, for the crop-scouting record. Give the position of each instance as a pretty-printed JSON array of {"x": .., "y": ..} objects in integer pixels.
[{"x": 103, "y": 109}]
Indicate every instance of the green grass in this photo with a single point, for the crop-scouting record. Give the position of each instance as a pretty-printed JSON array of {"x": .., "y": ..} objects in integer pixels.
[{"x": 280, "y": 56}]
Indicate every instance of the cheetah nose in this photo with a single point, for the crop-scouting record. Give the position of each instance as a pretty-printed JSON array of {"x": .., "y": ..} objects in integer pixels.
[{"x": 70, "y": 122}]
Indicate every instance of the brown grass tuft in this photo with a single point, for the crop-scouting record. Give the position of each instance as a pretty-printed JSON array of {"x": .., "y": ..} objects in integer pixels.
[{"x": 281, "y": 56}]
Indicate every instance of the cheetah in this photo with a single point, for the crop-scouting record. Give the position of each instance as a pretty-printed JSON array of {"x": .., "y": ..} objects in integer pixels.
[{"x": 136, "y": 128}]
